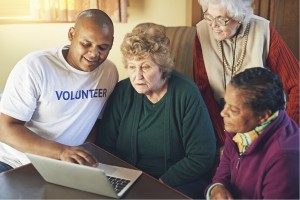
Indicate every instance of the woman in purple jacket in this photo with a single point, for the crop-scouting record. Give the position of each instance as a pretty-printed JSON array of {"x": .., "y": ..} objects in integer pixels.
[{"x": 261, "y": 154}]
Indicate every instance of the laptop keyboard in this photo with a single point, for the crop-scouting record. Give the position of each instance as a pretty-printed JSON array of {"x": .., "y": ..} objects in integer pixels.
[{"x": 118, "y": 183}]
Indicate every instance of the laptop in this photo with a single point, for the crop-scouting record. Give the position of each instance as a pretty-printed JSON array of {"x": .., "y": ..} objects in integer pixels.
[{"x": 107, "y": 180}]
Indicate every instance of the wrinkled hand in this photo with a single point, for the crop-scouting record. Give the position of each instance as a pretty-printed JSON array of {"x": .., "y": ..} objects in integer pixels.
[
  {"x": 77, "y": 155},
  {"x": 220, "y": 192}
]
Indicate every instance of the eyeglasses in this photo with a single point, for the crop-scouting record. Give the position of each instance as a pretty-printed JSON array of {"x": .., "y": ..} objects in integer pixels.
[{"x": 219, "y": 20}]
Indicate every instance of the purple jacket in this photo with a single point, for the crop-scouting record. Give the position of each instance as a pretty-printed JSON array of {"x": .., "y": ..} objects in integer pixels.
[{"x": 269, "y": 169}]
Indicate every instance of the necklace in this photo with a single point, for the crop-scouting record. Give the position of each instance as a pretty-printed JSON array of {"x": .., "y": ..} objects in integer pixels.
[{"x": 235, "y": 66}]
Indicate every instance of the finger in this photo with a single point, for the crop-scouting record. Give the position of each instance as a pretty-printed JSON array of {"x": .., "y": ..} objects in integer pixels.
[
  {"x": 79, "y": 155},
  {"x": 80, "y": 160},
  {"x": 86, "y": 153},
  {"x": 69, "y": 159},
  {"x": 86, "y": 158}
]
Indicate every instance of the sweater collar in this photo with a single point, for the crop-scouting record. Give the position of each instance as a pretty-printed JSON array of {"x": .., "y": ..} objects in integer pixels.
[{"x": 268, "y": 132}]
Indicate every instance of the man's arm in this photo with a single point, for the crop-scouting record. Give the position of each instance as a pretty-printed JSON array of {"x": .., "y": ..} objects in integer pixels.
[{"x": 15, "y": 134}]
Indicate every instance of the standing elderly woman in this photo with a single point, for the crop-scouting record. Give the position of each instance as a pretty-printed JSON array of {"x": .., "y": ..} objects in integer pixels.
[
  {"x": 156, "y": 119},
  {"x": 261, "y": 154},
  {"x": 231, "y": 39}
]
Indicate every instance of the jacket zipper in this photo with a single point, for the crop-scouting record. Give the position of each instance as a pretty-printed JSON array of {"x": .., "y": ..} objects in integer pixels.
[{"x": 238, "y": 163}]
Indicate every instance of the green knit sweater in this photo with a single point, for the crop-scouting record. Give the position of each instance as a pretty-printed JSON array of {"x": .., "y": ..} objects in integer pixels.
[{"x": 187, "y": 137}]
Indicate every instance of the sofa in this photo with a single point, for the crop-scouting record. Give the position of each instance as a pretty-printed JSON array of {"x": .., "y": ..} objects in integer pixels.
[{"x": 182, "y": 44}]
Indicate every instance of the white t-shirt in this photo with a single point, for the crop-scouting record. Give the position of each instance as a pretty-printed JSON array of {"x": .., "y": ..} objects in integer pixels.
[{"x": 57, "y": 101}]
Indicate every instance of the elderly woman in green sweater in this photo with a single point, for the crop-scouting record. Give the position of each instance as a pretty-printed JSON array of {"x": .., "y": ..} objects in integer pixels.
[{"x": 156, "y": 119}]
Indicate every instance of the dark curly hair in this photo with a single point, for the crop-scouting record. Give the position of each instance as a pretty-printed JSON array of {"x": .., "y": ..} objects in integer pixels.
[{"x": 263, "y": 89}]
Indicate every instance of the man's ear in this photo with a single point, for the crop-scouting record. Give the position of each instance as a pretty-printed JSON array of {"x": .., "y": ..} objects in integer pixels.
[
  {"x": 264, "y": 116},
  {"x": 71, "y": 33}
]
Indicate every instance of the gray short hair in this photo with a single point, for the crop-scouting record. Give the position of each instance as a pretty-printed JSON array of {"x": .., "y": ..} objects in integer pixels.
[{"x": 239, "y": 10}]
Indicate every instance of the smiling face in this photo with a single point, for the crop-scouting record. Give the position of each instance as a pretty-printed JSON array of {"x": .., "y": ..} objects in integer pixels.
[
  {"x": 145, "y": 76},
  {"x": 238, "y": 117},
  {"x": 221, "y": 32},
  {"x": 90, "y": 45}
]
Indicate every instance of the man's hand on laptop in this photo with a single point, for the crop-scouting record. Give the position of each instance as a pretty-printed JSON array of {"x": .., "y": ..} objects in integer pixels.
[{"x": 78, "y": 155}]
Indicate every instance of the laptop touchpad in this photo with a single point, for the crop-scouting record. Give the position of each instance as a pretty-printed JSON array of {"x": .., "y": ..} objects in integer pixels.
[{"x": 108, "y": 169}]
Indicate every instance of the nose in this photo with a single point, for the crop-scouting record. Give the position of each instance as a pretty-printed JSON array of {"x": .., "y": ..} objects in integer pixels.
[
  {"x": 94, "y": 52},
  {"x": 213, "y": 23},
  {"x": 224, "y": 111},
  {"x": 139, "y": 73}
]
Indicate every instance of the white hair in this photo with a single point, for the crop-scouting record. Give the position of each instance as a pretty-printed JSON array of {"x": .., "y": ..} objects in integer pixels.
[{"x": 239, "y": 10}]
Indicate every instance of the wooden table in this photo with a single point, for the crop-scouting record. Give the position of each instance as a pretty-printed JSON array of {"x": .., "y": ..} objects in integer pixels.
[{"x": 26, "y": 183}]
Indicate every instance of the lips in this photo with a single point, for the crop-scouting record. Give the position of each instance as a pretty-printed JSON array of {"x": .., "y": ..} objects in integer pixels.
[
  {"x": 217, "y": 31},
  {"x": 139, "y": 85},
  {"x": 91, "y": 61}
]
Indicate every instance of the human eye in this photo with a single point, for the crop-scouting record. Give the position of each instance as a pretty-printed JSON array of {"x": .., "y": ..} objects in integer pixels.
[
  {"x": 104, "y": 47},
  {"x": 222, "y": 19},
  {"x": 234, "y": 110},
  {"x": 85, "y": 44},
  {"x": 131, "y": 67},
  {"x": 146, "y": 68}
]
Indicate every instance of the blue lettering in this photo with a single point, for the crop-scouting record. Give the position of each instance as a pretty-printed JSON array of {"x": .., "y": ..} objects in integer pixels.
[
  {"x": 66, "y": 95},
  {"x": 81, "y": 94},
  {"x": 91, "y": 91},
  {"x": 85, "y": 94},
  {"x": 96, "y": 93},
  {"x": 78, "y": 94},
  {"x": 102, "y": 92},
  {"x": 72, "y": 95},
  {"x": 58, "y": 95}
]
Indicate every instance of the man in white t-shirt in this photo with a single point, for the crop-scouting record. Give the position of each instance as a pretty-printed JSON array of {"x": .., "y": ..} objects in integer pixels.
[{"x": 53, "y": 98}]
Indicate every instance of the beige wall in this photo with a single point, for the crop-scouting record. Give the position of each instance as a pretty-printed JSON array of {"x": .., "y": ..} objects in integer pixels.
[{"x": 16, "y": 40}]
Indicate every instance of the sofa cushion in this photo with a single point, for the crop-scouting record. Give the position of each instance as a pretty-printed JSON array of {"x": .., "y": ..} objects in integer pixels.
[{"x": 182, "y": 43}]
